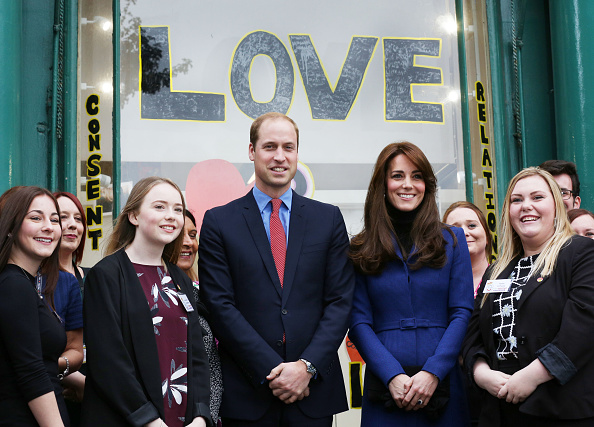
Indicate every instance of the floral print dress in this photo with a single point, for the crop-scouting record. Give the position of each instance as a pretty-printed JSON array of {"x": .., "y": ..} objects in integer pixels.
[{"x": 170, "y": 323}]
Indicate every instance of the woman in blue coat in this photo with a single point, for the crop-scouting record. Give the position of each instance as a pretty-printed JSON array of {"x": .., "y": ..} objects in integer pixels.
[{"x": 413, "y": 297}]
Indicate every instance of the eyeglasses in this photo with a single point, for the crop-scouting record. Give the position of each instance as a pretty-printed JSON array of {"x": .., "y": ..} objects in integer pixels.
[{"x": 566, "y": 194}]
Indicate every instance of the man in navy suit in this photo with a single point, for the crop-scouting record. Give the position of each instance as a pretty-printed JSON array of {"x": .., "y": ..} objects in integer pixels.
[{"x": 279, "y": 318}]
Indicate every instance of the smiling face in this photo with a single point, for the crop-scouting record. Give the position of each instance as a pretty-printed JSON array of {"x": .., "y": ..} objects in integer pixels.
[
  {"x": 405, "y": 187},
  {"x": 275, "y": 156},
  {"x": 160, "y": 218},
  {"x": 190, "y": 246},
  {"x": 38, "y": 236},
  {"x": 72, "y": 225},
  {"x": 584, "y": 226},
  {"x": 532, "y": 213},
  {"x": 476, "y": 235}
]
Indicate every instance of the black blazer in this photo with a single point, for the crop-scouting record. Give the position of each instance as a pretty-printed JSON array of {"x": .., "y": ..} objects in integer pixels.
[
  {"x": 250, "y": 311},
  {"x": 123, "y": 385},
  {"x": 555, "y": 322}
]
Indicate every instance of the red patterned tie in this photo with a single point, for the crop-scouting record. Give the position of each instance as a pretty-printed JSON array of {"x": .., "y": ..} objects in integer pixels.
[{"x": 278, "y": 240}]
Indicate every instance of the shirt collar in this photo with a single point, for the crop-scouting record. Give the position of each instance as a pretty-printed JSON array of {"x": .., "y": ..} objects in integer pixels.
[{"x": 262, "y": 199}]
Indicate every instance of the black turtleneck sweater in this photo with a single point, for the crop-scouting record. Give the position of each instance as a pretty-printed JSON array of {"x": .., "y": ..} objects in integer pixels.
[{"x": 402, "y": 223}]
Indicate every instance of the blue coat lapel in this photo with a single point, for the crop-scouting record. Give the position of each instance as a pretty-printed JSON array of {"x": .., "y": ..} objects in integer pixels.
[{"x": 254, "y": 222}]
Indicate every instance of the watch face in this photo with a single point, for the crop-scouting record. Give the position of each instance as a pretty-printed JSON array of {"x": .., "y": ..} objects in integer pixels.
[{"x": 309, "y": 367}]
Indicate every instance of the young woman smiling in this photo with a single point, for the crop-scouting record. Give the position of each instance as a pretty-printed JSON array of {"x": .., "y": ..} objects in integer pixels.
[
  {"x": 469, "y": 218},
  {"x": 74, "y": 231},
  {"x": 31, "y": 333},
  {"x": 525, "y": 343},
  {"x": 146, "y": 360},
  {"x": 413, "y": 297}
]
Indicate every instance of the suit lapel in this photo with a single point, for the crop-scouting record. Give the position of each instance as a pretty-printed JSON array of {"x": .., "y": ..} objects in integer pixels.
[
  {"x": 254, "y": 222},
  {"x": 534, "y": 282},
  {"x": 296, "y": 232}
]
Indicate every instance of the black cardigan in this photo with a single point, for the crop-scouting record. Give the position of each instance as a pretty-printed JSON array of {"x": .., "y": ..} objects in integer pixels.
[
  {"x": 123, "y": 385},
  {"x": 555, "y": 322}
]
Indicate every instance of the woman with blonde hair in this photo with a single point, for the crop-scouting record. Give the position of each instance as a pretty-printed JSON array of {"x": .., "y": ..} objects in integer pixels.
[
  {"x": 525, "y": 343},
  {"x": 413, "y": 297},
  {"x": 146, "y": 360}
]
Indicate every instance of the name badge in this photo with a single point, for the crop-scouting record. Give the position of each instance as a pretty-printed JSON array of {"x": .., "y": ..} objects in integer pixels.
[
  {"x": 186, "y": 302},
  {"x": 497, "y": 286}
]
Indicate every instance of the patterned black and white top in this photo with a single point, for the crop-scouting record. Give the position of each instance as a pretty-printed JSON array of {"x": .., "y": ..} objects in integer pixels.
[
  {"x": 214, "y": 361},
  {"x": 505, "y": 306}
]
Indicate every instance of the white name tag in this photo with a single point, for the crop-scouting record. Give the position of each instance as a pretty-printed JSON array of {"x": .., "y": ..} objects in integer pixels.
[
  {"x": 186, "y": 302},
  {"x": 497, "y": 286}
]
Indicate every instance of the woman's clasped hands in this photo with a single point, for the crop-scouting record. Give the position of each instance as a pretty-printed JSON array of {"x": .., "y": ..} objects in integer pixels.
[
  {"x": 413, "y": 393},
  {"x": 513, "y": 388},
  {"x": 489, "y": 379}
]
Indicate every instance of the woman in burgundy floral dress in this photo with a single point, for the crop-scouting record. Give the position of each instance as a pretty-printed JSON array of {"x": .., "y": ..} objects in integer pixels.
[{"x": 145, "y": 354}]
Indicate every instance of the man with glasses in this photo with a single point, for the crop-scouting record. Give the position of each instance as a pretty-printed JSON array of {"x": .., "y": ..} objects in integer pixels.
[{"x": 565, "y": 173}]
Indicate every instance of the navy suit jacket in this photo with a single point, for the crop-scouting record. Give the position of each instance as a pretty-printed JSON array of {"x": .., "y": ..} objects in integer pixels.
[{"x": 250, "y": 311}]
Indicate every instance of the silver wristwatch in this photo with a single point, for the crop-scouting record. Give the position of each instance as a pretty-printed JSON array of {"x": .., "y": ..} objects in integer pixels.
[{"x": 310, "y": 368}]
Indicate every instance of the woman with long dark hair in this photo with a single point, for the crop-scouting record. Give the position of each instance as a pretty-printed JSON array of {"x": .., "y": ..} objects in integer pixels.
[
  {"x": 145, "y": 355},
  {"x": 32, "y": 336},
  {"x": 413, "y": 297}
]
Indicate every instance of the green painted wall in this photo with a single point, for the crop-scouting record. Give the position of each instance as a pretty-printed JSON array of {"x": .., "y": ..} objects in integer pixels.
[
  {"x": 10, "y": 76},
  {"x": 537, "y": 86},
  {"x": 27, "y": 40},
  {"x": 572, "y": 32},
  {"x": 507, "y": 160},
  {"x": 37, "y": 54},
  {"x": 555, "y": 42}
]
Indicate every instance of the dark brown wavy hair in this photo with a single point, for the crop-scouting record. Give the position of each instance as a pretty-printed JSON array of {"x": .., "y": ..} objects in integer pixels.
[
  {"x": 15, "y": 204},
  {"x": 373, "y": 247}
]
